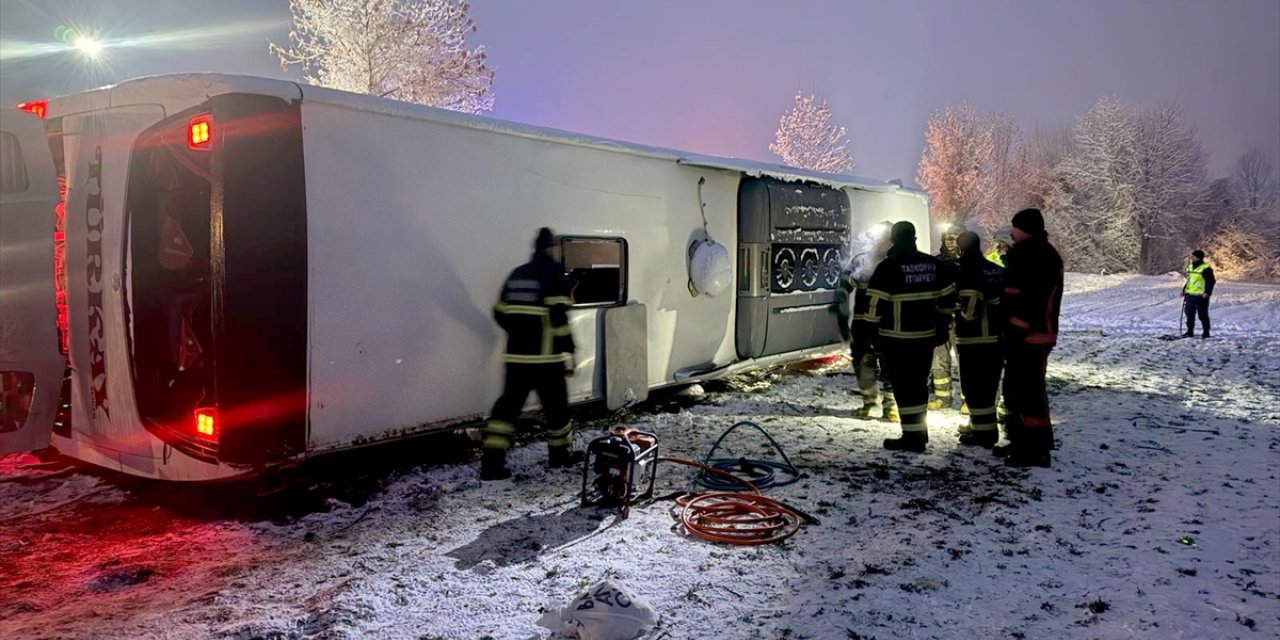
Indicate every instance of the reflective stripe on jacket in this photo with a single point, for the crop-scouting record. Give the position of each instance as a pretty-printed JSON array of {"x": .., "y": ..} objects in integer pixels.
[
  {"x": 911, "y": 295},
  {"x": 534, "y": 311},
  {"x": 980, "y": 286}
]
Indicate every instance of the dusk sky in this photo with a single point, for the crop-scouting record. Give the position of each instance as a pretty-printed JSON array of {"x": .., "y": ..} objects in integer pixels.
[{"x": 714, "y": 76}]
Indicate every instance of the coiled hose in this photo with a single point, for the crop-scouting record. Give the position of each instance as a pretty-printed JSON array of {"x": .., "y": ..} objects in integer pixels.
[{"x": 727, "y": 514}]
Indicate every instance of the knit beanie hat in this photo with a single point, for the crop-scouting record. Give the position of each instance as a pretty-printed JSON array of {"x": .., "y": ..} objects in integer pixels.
[
  {"x": 546, "y": 238},
  {"x": 1030, "y": 221}
]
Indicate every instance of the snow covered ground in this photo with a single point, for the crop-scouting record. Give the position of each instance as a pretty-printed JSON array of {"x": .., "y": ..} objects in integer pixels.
[{"x": 1159, "y": 519}]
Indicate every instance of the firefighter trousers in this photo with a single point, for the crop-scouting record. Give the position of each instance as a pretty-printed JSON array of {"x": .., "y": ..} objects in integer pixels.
[
  {"x": 980, "y": 366},
  {"x": 547, "y": 379},
  {"x": 944, "y": 368},
  {"x": 1025, "y": 395},
  {"x": 907, "y": 361},
  {"x": 866, "y": 366}
]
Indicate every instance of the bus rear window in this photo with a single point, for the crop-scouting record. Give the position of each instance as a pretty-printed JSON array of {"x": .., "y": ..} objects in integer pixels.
[{"x": 169, "y": 199}]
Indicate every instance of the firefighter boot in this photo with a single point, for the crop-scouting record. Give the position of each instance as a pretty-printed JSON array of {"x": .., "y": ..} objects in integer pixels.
[
  {"x": 890, "y": 408},
  {"x": 1012, "y": 432},
  {"x": 986, "y": 439},
  {"x": 867, "y": 411},
  {"x": 1032, "y": 450},
  {"x": 493, "y": 465},
  {"x": 913, "y": 441},
  {"x": 563, "y": 456}
]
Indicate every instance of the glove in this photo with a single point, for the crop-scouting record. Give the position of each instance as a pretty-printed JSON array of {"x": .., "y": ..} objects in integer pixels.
[{"x": 570, "y": 365}]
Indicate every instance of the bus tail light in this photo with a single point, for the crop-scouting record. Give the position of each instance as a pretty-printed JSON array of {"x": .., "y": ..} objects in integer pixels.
[
  {"x": 207, "y": 423},
  {"x": 200, "y": 132}
]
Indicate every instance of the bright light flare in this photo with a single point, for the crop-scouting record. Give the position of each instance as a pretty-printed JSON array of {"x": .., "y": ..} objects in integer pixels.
[{"x": 90, "y": 47}]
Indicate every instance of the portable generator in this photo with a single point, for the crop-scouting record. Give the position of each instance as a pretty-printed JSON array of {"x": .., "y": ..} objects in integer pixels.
[{"x": 616, "y": 468}]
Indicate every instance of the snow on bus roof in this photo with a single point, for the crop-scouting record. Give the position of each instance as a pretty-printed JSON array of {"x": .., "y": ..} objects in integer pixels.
[{"x": 175, "y": 90}]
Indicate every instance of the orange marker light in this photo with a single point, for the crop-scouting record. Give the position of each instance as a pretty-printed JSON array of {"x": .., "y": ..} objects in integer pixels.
[
  {"x": 38, "y": 107},
  {"x": 207, "y": 423},
  {"x": 200, "y": 132}
]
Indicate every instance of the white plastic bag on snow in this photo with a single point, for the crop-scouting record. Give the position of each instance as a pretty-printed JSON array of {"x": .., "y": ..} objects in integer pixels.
[{"x": 606, "y": 611}]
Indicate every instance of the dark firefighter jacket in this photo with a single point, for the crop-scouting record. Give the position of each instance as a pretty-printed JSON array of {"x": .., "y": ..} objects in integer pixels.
[
  {"x": 534, "y": 311},
  {"x": 979, "y": 287},
  {"x": 1032, "y": 292},
  {"x": 911, "y": 295}
]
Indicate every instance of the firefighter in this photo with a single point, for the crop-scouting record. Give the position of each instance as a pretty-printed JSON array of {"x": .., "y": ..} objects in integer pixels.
[
  {"x": 1002, "y": 241},
  {"x": 533, "y": 310},
  {"x": 979, "y": 286},
  {"x": 944, "y": 365},
  {"x": 1031, "y": 304},
  {"x": 911, "y": 297},
  {"x": 1195, "y": 295},
  {"x": 866, "y": 359}
]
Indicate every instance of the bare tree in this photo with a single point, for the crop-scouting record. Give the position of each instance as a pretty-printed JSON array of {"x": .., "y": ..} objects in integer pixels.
[
  {"x": 957, "y": 148},
  {"x": 1004, "y": 175},
  {"x": 806, "y": 138},
  {"x": 411, "y": 50},
  {"x": 1255, "y": 179},
  {"x": 1171, "y": 178}
]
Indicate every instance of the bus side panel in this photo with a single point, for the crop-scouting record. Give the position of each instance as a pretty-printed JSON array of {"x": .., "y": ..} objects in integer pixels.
[
  {"x": 97, "y": 148},
  {"x": 413, "y": 225}
]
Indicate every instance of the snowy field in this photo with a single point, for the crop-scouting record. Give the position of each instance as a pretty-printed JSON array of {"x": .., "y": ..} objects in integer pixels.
[{"x": 1159, "y": 519}]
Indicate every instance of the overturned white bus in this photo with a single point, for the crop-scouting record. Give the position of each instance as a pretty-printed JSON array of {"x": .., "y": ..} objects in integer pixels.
[{"x": 252, "y": 271}]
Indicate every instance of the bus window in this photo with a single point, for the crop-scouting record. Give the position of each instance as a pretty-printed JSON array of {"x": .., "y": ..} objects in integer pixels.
[{"x": 597, "y": 267}]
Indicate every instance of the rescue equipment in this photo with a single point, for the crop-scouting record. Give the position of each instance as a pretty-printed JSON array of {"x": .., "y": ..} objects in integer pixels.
[{"x": 622, "y": 462}]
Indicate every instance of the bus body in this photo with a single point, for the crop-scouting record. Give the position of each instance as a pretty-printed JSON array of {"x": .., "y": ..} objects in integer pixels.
[{"x": 258, "y": 271}]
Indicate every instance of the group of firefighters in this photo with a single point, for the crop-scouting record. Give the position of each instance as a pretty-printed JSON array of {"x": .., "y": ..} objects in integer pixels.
[{"x": 999, "y": 311}]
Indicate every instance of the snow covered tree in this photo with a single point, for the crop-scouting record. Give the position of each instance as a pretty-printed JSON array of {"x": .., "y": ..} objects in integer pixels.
[
  {"x": 806, "y": 138},
  {"x": 1136, "y": 180},
  {"x": 1254, "y": 179},
  {"x": 1172, "y": 177},
  {"x": 958, "y": 147},
  {"x": 411, "y": 50}
]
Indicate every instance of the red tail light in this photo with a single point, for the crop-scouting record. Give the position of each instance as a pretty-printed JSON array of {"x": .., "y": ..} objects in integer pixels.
[
  {"x": 207, "y": 423},
  {"x": 200, "y": 132},
  {"x": 38, "y": 107}
]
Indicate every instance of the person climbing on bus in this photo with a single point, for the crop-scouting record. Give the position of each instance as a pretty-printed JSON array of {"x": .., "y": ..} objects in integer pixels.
[{"x": 533, "y": 309}]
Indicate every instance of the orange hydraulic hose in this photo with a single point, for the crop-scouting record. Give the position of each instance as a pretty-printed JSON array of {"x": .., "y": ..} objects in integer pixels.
[{"x": 735, "y": 518}]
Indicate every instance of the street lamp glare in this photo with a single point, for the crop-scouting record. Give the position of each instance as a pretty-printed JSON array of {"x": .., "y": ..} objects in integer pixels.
[{"x": 88, "y": 46}]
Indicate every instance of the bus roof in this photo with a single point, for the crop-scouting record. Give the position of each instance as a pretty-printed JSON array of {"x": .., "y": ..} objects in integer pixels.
[{"x": 178, "y": 92}]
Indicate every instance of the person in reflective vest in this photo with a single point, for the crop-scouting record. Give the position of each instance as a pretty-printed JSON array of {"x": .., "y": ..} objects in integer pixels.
[
  {"x": 1002, "y": 241},
  {"x": 533, "y": 309},
  {"x": 1031, "y": 302},
  {"x": 1195, "y": 295},
  {"x": 911, "y": 296},
  {"x": 979, "y": 287}
]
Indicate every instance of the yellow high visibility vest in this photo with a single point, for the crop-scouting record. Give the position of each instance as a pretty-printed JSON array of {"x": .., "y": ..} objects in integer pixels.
[
  {"x": 994, "y": 256},
  {"x": 1195, "y": 279}
]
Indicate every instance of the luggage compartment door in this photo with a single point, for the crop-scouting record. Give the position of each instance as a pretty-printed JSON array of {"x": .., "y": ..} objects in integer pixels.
[{"x": 792, "y": 243}]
